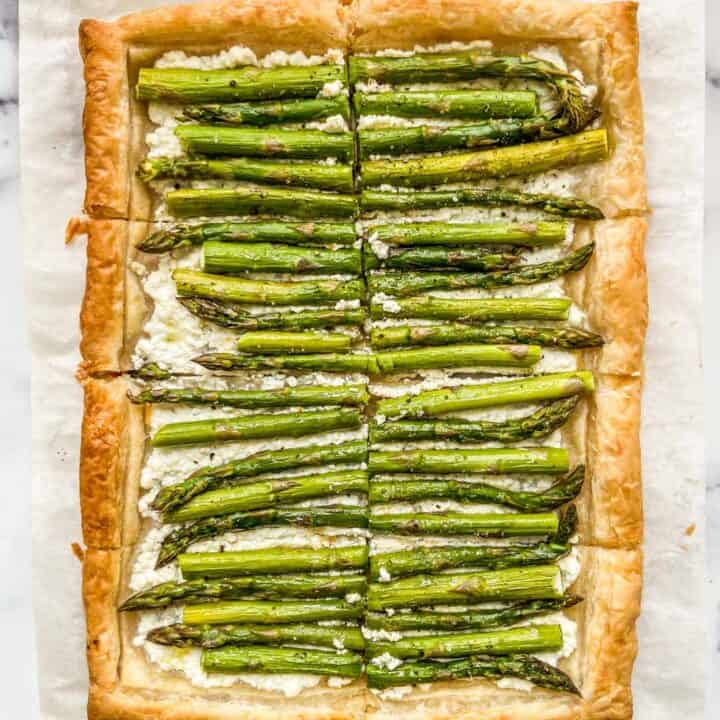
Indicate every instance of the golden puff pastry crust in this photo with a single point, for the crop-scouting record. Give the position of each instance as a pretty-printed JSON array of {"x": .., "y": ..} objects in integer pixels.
[
  {"x": 124, "y": 686},
  {"x": 598, "y": 39},
  {"x": 601, "y": 40},
  {"x": 113, "y": 51}
]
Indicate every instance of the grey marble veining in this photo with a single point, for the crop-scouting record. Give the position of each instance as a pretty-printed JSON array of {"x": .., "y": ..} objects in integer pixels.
[{"x": 17, "y": 653}]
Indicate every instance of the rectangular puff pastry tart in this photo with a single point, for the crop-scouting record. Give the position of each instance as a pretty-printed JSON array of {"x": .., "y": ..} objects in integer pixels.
[{"x": 362, "y": 351}]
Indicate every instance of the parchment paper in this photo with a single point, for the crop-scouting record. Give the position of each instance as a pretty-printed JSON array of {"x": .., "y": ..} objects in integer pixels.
[{"x": 670, "y": 671}]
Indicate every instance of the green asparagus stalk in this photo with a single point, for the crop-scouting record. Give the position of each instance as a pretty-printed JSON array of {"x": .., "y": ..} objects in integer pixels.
[
  {"x": 294, "y": 342},
  {"x": 270, "y": 492},
  {"x": 472, "y": 64},
  {"x": 265, "y": 292},
  {"x": 435, "y": 559},
  {"x": 430, "y": 138},
  {"x": 273, "y": 560},
  {"x": 487, "y": 460},
  {"x": 271, "y": 113},
  {"x": 464, "y": 356},
  {"x": 471, "y": 310},
  {"x": 401, "y": 284},
  {"x": 523, "y": 667},
  {"x": 234, "y": 316},
  {"x": 305, "y": 396},
  {"x": 537, "y": 425},
  {"x": 222, "y": 257},
  {"x": 264, "y": 142},
  {"x": 260, "y": 587},
  {"x": 181, "y": 538},
  {"x": 568, "y": 525},
  {"x": 451, "y": 333},
  {"x": 570, "y": 207},
  {"x": 528, "y": 159},
  {"x": 150, "y": 371},
  {"x": 561, "y": 492},
  {"x": 532, "y": 234},
  {"x": 171, "y": 237},
  {"x": 323, "y": 362},
  {"x": 539, "y": 582},
  {"x": 468, "y": 619},
  {"x": 460, "y": 523},
  {"x": 269, "y": 461},
  {"x": 474, "y": 397},
  {"x": 265, "y": 612},
  {"x": 519, "y": 356},
  {"x": 456, "y": 104},
  {"x": 495, "y": 257},
  {"x": 311, "y": 204},
  {"x": 528, "y": 639},
  {"x": 214, "y": 636},
  {"x": 259, "y": 659},
  {"x": 183, "y": 85},
  {"x": 271, "y": 172},
  {"x": 249, "y": 427}
]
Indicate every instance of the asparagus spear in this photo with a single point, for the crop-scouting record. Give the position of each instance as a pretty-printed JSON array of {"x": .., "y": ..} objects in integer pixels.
[
  {"x": 450, "y": 333},
  {"x": 537, "y": 425},
  {"x": 247, "y": 427},
  {"x": 150, "y": 371},
  {"x": 529, "y": 159},
  {"x": 523, "y": 667},
  {"x": 469, "y": 619},
  {"x": 270, "y": 492},
  {"x": 271, "y": 113},
  {"x": 259, "y": 292},
  {"x": 214, "y": 476},
  {"x": 487, "y": 460},
  {"x": 472, "y": 64},
  {"x": 264, "y": 142},
  {"x": 324, "y": 362},
  {"x": 232, "y": 315},
  {"x": 473, "y": 397},
  {"x": 222, "y": 257},
  {"x": 539, "y": 582},
  {"x": 214, "y": 636},
  {"x": 294, "y": 342},
  {"x": 183, "y": 85},
  {"x": 495, "y": 257},
  {"x": 568, "y": 525},
  {"x": 273, "y": 560},
  {"x": 471, "y": 310},
  {"x": 533, "y": 234},
  {"x": 462, "y": 104},
  {"x": 259, "y": 659},
  {"x": 288, "y": 233},
  {"x": 571, "y": 207},
  {"x": 264, "y": 612},
  {"x": 430, "y": 138},
  {"x": 181, "y": 538},
  {"x": 521, "y": 356},
  {"x": 305, "y": 395},
  {"x": 401, "y": 284},
  {"x": 434, "y": 559},
  {"x": 460, "y": 523},
  {"x": 561, "y": 492},
  {"x": 311, "y": 204},
  {"x": 528, "y": 639},
  {"x": 465, "y": 356},
  {"x": 271, "y": 172},
  {"x": 260, "y": 587}
]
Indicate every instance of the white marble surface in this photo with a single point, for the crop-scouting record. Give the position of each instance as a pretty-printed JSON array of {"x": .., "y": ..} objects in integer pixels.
[
  {"x": 17, "y": 671},
  {"x": 17, "y": 652}
]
